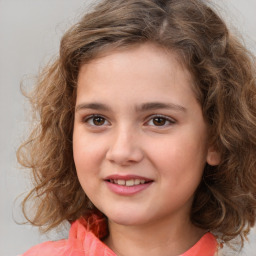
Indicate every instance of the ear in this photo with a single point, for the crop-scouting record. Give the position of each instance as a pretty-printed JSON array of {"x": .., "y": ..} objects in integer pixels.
[{"x": 213, "y": 156}]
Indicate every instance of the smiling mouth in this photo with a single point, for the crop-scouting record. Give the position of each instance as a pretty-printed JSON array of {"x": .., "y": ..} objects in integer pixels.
[{"x": 128, "y": 183}]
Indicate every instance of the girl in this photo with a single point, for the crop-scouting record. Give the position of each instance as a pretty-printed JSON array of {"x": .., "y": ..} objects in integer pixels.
[{"x": 146, "y": 140}]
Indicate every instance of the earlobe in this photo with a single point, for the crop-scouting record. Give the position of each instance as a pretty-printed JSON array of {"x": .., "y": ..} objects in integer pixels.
[{"x": 213, "y": 157}]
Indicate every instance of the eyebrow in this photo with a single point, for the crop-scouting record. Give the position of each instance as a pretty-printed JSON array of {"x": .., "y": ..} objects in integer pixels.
[
  {"x": 142, "y": 108},
  {"x": 95, "y": 106},
  {"x": 160, "y": 105}
]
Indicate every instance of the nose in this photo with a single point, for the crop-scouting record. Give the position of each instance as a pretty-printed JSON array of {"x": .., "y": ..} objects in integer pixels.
[{"x": 125, "y": 148}]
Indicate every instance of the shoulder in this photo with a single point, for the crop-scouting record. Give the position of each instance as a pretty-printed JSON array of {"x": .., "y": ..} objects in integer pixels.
[
  {"x": 206, "y": 246},
  {"x": 57, "y": 248},
  {"x": 84, "y": 239}
]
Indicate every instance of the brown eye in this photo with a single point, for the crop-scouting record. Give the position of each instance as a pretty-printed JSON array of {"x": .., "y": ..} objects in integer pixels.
[
  {"x": 95, "y": 120},
  {"x": 159, "y": 121},
  {"x": 98, "y": 120}
]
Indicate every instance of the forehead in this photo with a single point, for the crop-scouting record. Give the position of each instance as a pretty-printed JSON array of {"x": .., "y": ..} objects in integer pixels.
[
  {"x": 155, "y": 57},
  {"x": 142, "y": 73}
]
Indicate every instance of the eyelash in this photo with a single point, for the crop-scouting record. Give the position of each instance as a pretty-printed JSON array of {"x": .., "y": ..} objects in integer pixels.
[
  {"x": 93, "y": 117},
  {"x": 151, "y": 118},
  {"x": 170, "y": 121}
]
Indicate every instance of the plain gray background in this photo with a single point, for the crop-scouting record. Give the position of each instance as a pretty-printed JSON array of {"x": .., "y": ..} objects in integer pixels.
[{"x": 30, "y": 31}]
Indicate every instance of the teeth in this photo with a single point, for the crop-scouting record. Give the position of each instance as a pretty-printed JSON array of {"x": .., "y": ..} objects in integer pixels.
[
  {"x": 137, "y": 182},
  {"x": 128, "y": 183},
  {"x": 121, "y": 182}
]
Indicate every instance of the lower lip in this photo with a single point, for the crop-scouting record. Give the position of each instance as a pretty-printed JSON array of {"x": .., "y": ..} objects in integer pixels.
[{"x": 126, "y": 190}]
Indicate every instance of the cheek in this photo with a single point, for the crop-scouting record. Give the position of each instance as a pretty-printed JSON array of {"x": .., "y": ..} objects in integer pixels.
[
  {"x": 82, "y": 153},
  {"x": 179, "y": 151},
  {"x": 89, "y": 154},
  {"x": 86, "y": 148},
  {"x": 85, "y": 155},
  {"x": 180, "y": 155}
]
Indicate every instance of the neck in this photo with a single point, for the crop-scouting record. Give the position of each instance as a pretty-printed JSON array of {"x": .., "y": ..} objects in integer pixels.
[{"x": 163, "y": 238}]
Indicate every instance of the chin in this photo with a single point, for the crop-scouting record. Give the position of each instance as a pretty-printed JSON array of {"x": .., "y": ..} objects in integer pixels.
[
  {"x": 127, "y": 222},
  {"x": 126, "y": 219}
]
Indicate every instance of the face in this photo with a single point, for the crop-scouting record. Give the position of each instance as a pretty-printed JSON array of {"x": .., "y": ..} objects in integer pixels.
[{"x": 140, "y": 140}]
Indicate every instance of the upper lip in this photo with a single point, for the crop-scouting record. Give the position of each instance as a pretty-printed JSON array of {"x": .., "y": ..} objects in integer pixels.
[{"x": 126, "y": 177}]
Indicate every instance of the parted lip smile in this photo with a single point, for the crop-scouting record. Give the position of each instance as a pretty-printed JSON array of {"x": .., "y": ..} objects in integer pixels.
[{"x": 127, "y": 180}]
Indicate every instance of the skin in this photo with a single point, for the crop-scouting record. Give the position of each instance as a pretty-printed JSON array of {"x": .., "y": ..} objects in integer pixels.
[{"x": 127, "y": 138}]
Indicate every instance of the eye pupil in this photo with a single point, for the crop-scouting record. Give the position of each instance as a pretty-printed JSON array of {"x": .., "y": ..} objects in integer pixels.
[
  {"x": 98, "y": 120},
  {"x": 158, "y": 121}
]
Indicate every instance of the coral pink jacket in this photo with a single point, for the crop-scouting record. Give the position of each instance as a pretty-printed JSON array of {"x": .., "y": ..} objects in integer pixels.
[{"x": 84, "y": 240}]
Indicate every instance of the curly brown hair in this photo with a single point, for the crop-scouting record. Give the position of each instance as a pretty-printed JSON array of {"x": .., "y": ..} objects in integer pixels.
[{"x": 225, "y": 84}]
